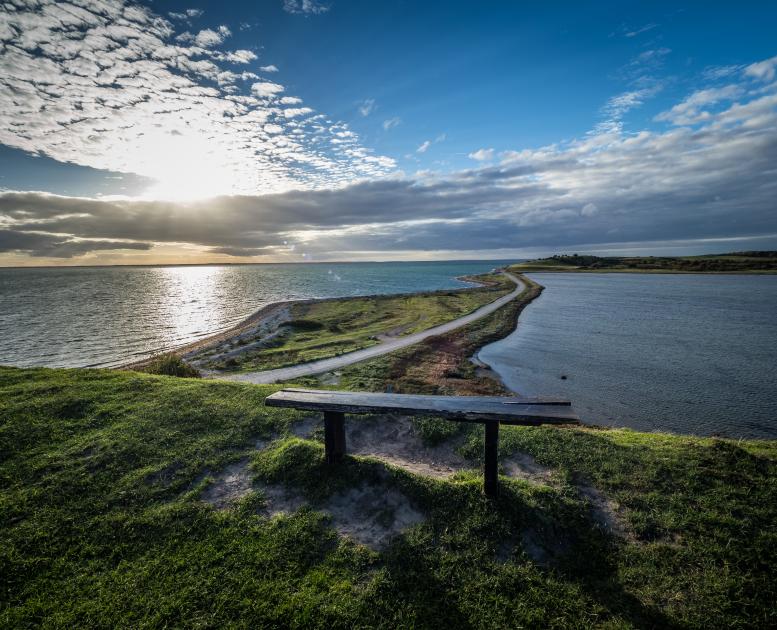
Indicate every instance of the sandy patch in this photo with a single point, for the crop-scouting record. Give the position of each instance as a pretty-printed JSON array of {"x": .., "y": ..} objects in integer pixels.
[
  {"x": 307, "y": 426},
  {"x": 372, "y": 515},
  {"x": 254, "y": 335},
  {"x": 279, "y": 500},
  {"x": 605, "y": 511},
  {"x": 397, "y": 331},
  {"x": 524, "y": 466},
  {"x": 228, "y": 486},
  {"x": 330, "y": 378},
  {"x": 393, "y": 439}
]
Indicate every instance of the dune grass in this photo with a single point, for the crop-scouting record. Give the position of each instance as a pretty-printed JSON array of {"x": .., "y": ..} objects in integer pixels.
[{"x": 101, "y": 524}]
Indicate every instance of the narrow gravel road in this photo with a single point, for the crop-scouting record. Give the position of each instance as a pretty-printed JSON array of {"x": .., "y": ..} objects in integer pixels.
[{"x": 327, "y": 365}]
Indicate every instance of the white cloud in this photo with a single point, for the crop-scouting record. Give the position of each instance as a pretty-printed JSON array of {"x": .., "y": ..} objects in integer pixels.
[
  {"x": 266, "y": 89},
  {"x": 428, "y": 143},
  {"x": 293, "y": 112},
  {"x": 482, "y": 155},
  {"x": 208, "y": 38},
  {"x": 238, "y": 56},
  {"x": 690, "y": 111},
  {"x": 763, "y": 70},
  {"x": 639, "y": 31},
  {"x": 270, "y": 68},
  {"x": 715, "y": 73},
  {"x": 367, "y": 107},
  {"x": 391, "y": 123},
  {"x": 189, "y": 13},
  {"x": 305, "y": 7},
  {"x": 115, "y": 87}
]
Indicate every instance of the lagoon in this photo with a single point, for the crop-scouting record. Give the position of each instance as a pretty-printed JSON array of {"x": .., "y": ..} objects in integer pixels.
[{"x": 681, "y": 353}]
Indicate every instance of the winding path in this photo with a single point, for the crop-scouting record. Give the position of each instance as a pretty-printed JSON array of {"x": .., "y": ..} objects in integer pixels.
[{"x": 334, "y": 363}]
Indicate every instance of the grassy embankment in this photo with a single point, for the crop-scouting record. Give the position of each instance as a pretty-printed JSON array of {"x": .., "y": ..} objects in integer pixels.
[
  {"x": 736, "y": 262},
  {"x": 101, "y": 522},
  {"x": 329, "y": 328}
]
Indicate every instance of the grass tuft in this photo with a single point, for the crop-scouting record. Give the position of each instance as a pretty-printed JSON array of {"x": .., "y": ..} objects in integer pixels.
[{"x": 171, "y": 365}]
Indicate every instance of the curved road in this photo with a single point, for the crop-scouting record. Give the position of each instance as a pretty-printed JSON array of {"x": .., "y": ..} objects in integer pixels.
[{"x": 334, "y": 363}]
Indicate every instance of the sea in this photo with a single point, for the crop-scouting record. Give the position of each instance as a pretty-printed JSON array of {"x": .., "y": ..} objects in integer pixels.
[{"x": 107, "y": 316}]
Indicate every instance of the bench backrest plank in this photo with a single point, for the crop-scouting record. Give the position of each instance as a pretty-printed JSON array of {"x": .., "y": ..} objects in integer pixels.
[{"x": 506, "y": 410}]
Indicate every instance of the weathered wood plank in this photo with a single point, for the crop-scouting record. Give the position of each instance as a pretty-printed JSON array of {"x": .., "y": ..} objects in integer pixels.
[
  {"x": 507, "y": 410},
  {"x": 334, "y": 436},
  {"x": 524, "y": 400},
  {"x": 490, "y": 460}
]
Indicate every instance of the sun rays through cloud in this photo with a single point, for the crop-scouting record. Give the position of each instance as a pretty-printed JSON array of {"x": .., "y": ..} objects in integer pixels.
[
  {"x": 113, "y": 86},
  {"x": 236, "y": 165}
]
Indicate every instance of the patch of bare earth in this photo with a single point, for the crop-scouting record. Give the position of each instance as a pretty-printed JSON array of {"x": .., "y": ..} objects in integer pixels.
[
  {"x": 259, "y": 332},
  {"x": 305, "y": 427},
  {"x": 279, "y": 500},
  {"x": 524, "y": 466},
  {"x": 372, "y": 515},
  {"x": 605, "y": 512},
  {"x": 228, "y": 486},
  {"x": 394, "y": 440}
]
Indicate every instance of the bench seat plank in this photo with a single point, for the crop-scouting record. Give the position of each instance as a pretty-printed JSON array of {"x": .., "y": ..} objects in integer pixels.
[
  {"x": 526, "y": 400},
  {"x": 506, "y": 410}
]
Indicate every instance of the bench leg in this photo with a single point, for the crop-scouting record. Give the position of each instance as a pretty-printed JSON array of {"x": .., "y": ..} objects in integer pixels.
[
  {"x": 334, "y": 436},
  {"x": 490, "y": 472}
]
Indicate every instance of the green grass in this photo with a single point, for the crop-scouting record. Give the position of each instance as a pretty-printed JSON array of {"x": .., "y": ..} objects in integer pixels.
[
  {"x": 440, "y": 365},
  {"x": 329, "y": 328},
  {"x": 171, "y": 365},
  {"x": 101, "y": 525}
]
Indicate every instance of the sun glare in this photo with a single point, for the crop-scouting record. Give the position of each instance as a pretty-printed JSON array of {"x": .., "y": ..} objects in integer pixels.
[{"x": 188, "y": 167}]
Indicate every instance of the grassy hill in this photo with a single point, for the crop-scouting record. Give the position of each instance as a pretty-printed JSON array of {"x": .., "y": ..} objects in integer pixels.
[
  {"x": 736, "y": 262},
  {"x": 109, "y": 517}
]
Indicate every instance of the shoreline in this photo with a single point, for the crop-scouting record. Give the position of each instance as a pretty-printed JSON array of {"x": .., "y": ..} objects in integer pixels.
[{"x": 265, "y": 313}]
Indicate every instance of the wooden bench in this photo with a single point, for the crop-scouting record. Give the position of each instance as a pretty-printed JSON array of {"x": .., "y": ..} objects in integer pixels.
[{"x": 489, "y": 410}]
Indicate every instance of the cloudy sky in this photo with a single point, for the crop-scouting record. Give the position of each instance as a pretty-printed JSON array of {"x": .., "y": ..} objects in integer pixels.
[{"x": 292, "y": 130}]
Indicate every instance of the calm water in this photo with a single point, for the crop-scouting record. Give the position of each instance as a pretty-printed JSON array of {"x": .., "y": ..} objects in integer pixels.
[
  {"x": 102, "y": 316},
  {"x": 687, "y": 354}
]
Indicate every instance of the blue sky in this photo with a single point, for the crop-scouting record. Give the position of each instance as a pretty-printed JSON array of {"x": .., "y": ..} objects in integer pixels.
[{"x": 239, "y": 131}]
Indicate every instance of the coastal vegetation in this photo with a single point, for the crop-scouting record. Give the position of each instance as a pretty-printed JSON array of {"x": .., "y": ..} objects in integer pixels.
[
  {"x": 324, "y": 328},
  {"x": 440, "y": 365},
  {"x": 170, "y": 364},
  {"x": 735, "y": 262},
  {"x": 107, "y": 519}
]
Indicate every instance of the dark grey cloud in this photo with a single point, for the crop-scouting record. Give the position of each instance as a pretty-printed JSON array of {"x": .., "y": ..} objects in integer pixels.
[{"x": 55, "y": 246}]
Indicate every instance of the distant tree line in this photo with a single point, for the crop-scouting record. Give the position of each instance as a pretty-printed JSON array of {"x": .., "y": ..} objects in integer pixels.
[{"x": 735, "y": 261}]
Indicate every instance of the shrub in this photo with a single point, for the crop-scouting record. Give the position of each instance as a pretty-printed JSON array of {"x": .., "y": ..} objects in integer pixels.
[
  {"x": 172, "y": 365},
  {"x": 304, "y": 324}
]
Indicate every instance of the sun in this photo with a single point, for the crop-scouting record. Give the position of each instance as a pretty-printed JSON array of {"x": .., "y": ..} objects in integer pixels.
[{"x": 187, "y": 168}]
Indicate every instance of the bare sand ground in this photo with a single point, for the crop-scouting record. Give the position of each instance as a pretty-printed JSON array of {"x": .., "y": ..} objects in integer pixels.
[{"x": 373, "y": 514}]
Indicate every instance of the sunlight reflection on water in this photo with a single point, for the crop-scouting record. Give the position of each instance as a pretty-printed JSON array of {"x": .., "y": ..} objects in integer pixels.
[{"x": 90, "y": 316}]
